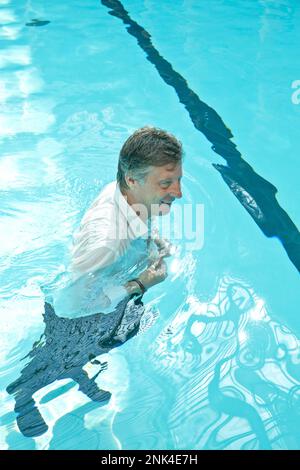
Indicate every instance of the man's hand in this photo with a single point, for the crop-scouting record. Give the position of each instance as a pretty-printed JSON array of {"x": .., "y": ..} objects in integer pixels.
[
  {"x": 164, "y": 247},
  {"x": 160, "y": 248},
  {"x": 156, "y": 273},
  {"x": 157, "y": 269}
]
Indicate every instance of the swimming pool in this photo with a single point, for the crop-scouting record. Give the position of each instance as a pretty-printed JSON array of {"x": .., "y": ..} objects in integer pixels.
[{"x": 216, "y": 363}]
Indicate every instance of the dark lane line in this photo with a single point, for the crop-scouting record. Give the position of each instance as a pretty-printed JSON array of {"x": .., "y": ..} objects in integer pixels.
[{"x": 257, "y": 195}]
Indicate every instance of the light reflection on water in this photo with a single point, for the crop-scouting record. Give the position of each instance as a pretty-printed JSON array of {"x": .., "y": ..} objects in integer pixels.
[{"x": 235, "y": 369}]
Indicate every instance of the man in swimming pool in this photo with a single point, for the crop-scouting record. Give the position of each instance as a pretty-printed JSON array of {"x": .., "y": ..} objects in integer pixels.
[{"x": 148, "y": 181}]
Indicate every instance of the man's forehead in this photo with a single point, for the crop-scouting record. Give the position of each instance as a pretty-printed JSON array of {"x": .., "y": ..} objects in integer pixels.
[{"x": 167, "y": 171}]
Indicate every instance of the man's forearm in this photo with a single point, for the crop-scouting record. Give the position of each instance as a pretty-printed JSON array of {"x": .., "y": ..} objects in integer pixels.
[
  {"x": 154, "y": 274},
  {"x": 132, "y": 287}
]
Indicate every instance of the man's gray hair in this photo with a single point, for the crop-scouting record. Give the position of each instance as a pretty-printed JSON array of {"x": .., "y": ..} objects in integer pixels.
[{"x": 146, "y": 147}]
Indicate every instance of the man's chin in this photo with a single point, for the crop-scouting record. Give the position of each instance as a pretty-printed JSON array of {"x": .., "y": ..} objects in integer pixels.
[
  {"x": 164, "y": 209},
  {"x": 160, "y": 209}
]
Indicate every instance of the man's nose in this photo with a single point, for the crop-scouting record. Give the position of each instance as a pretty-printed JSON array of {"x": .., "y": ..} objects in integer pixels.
[{"x": 176, "y": 190}]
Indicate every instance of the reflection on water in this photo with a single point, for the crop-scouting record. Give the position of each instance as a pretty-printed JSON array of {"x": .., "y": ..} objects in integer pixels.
[
  {"x": 236, "y": 370},
  {"x": 65, "y": 347},
  {"x": 233, "y": 371}
]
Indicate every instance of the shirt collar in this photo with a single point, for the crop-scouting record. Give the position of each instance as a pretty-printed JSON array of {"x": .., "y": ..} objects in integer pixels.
[{"x": 135, "y": 224}]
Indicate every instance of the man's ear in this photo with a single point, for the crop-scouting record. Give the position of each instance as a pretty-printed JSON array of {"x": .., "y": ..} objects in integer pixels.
[{"x": 130, "y": 181}]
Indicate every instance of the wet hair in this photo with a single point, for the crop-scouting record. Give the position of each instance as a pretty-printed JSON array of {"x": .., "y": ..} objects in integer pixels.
[{"x": 146, "y": 147}]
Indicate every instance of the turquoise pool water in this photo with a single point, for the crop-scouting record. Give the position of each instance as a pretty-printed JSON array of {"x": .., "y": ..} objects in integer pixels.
[{"x": 216, "y": 362}]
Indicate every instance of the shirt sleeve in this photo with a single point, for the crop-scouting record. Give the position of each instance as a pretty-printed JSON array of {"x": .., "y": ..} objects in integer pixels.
[
  {"x": 92, "y": 258},
  {"x": 94, "y": 247},
  {"x": 114, "y": 295},
  {"x": 85, "y": 297}
]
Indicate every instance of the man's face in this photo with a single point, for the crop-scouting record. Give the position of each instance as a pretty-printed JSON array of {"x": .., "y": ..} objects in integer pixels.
[{"x": 160, "y": 188}]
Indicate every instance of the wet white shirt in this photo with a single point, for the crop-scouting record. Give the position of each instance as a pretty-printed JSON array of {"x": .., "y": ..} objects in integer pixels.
[
  {"x": 106, "y": 231},
  {"x": 111, "y": 239}
]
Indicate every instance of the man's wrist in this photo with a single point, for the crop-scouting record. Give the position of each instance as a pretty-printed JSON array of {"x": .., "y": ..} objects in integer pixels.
[{"x": 132, "y": 287}]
